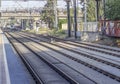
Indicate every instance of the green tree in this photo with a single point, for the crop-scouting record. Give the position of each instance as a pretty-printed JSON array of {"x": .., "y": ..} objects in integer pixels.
[
  {"x": 112, "y": 10},
  {"x": 91, "y": 9},
  {"x": 61, "y": 21},
  {"x": 91, "y": 15},
  {"x": 47, "y": 14}
]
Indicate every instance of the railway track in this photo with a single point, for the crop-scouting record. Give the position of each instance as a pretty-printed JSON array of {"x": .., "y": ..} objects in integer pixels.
[
  {"x": 36, "y": 74},
  {"x": 91, "y": 47},
  {"x": 90, "y": 55},
  {"x": 86, "y": 64},
  {"x": 90, "y": 44},
  {"x": 27, "y": 64},
  {"x": 78, "y": 42},
  {"x": 85, "y": 55},
  {"x": 101, "y": 46}
]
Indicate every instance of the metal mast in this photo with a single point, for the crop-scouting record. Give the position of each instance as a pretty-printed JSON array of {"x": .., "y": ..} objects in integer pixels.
[
  {"x": 75, "y": 18},
  {"x": 0, "y": 11},
  {"x": 97, "y": 8},
  {"x": 68, "y": 17},
  {"x": 55, "y": 13},
  {"x": 85, "y": 19},
  {"x": 104, "y": 8},
  {"x": 0, "y": 8}
]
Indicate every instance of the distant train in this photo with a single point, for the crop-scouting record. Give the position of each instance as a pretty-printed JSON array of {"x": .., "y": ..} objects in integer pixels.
[{"x": 110, "y": 28}]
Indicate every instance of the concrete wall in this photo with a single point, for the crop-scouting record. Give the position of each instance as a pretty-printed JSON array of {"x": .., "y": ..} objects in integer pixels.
[
  {"x": 91, "y": 31},
  {"x": 90, "y": 36}
]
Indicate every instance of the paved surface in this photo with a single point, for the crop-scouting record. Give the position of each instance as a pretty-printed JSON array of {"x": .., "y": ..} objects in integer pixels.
[
  {"x": 4, "y": 75},
  {"x": 12, "y": 70}
]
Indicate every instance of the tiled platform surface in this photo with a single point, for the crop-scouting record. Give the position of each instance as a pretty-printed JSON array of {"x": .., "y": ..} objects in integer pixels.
[
  {"x": 4, "y": 76},
  {"x": 12, "y": 70}
]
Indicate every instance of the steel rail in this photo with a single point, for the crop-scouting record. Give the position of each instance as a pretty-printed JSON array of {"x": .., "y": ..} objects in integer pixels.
[
  {"x": 117, "y": 78},
  {"x": 58, "y": 39},
  {"x": 98, "y": 46},
  {"x": 83, "y": 54},
  {"x": 63, "y": 74},
  {"x": 27, "y": 63}
]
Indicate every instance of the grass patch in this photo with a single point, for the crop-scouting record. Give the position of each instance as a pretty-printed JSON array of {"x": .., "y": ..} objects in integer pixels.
[
  {"x": 54, "y": 32},
  {"x": 58, "y": 33}
]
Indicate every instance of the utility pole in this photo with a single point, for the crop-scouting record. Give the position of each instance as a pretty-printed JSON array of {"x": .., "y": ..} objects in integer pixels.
[
  {"x": 85, "y": 15},
  {"x": 75, "y": 18},
  {"x": 68, "y": 17},
  {"x": 0, "y": 13},
  {"x": 97, "y": 8},
  {"x": 0, "y": 8},
  {"x": 55, "y": 13},
  {"x": 22, "y": 23},
  {"x": 104, "y": 7},
  {"x": 104, "y": 11}
]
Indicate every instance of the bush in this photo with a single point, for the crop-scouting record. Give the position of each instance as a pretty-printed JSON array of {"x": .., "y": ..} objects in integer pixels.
[
  {"x": 112, "y": 10},
  {"x": 61, "y": 21}
]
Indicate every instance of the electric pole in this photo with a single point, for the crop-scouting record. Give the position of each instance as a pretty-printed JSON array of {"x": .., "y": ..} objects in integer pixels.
[
  {"x": 0, "y": 12},
  {"x": 97, "y": 8},
  {"x": 68, "y": 17},
  {"x": 55, "y": 13},
  {"x": 0, "y": 8},
  {"x": 104, "y": 11},
  {"x": 85, "y": 15},
  {"x": 75, "y": 18}
]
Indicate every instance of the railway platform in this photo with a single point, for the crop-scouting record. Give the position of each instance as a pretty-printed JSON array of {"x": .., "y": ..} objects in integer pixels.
[{"x": 12, "y": 70}]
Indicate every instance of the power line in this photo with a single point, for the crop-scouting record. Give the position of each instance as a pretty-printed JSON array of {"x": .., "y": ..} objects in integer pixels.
[{"x": 28, "y": 0}]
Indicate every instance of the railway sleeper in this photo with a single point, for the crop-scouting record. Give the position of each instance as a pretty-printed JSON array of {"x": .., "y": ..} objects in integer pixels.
[
  {"x": 88, "y": 65},
  {"x": 63, "y": 74}
]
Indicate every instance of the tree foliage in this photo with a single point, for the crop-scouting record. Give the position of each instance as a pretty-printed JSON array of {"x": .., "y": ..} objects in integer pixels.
[
  {"x": 112, "y": 10},
  {"x": 91, "y": 14},
  {"x": 47, "y": 14},
  {"x": 91, "y": 9},
  {"x": 62, "y": 21}
]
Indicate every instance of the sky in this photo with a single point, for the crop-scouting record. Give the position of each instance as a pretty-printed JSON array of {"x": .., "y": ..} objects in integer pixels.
[{"x": 21, "y": 4}]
